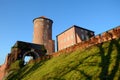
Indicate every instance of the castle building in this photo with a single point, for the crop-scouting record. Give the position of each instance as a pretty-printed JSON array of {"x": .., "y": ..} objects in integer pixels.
[
  {"x": 73, "y": 35},
  {"x": 43, "y": 33}
]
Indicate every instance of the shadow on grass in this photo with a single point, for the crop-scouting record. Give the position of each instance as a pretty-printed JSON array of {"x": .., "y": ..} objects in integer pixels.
[
  {"x": 105, "y": 54},
  {"x": 33, "y": 68},
  {"x": 105, "y": 61},
  {"x": 59, "y": 73},
  {"x": 19, "y": 74},
  {"x": 64, "y": 72},
  {"x": 117, "y": 62}
]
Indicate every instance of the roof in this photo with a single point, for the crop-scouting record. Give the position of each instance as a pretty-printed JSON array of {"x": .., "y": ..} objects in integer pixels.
[
  {"x": 21, "y": 44},
  {"x": 42, "y": 17},
  {"x": 75, "y": 27}
]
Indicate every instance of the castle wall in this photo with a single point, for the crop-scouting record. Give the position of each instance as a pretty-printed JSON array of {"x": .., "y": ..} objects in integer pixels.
[
  {"x": 106, "y": 36},
  {"x": 66, "y": 39},
  {"x": 3, "y": 68}
]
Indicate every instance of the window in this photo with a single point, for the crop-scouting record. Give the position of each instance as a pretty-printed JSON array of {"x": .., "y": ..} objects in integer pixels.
[
  {"x": 87, "y": 37},
  {"x": 68, "y": 38},
  {"x": 86, "y": 32},
  {"x": 83, "y": 37},
  {"x": 61, "y": 41},
  {"x": 92, "y": 34},
  {"x": 73, "y": 43},
  {"x": 64, "y": 39},
  {"x": 72, "y": 36},
  {"x": 82, "y": 30}
]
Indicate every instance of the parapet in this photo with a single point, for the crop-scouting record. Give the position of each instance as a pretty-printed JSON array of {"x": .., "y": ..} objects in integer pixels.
[{"x": 43, "y": 17}]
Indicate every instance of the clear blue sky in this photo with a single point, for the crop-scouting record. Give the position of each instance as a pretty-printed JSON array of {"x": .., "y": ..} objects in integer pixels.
[{"x": 16, "y": 18}]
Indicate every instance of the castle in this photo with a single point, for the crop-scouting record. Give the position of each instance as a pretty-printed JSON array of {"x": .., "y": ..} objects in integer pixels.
[{"x": 43, "y": 46}]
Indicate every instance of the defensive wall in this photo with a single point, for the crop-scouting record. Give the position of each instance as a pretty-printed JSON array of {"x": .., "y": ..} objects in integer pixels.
[
  {"x": 100, "y": 38},
  {"x": 3, "y": 68}
]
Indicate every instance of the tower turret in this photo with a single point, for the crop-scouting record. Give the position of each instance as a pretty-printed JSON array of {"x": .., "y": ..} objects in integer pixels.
[{"x": 43, "y": 33}]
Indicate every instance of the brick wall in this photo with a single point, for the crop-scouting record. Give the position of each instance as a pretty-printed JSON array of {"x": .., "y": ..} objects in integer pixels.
[
  {"x": 43, "y": 33},
  {"x": 106, "y": 36}
]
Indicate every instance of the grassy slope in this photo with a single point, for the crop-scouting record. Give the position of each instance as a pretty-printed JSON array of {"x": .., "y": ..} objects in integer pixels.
[{"x": 98, "y": 62}]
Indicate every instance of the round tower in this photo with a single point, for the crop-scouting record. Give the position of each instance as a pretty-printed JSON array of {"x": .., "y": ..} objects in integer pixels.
[{"x": 43, "y": 33}]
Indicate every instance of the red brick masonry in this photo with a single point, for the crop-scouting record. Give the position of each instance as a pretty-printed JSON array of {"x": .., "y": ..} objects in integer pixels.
[{"x": 106, "y": 36}]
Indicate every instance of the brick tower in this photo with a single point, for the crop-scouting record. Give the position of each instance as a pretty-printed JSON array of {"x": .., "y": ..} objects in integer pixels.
[{"x": 43, "y": 33}]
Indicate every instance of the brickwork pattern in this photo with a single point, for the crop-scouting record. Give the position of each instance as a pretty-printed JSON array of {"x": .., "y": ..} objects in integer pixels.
[
  {"x": 43, "y": 33},
  {"x": 72, "y": 36},
  {"x": 106, "y": 36}
]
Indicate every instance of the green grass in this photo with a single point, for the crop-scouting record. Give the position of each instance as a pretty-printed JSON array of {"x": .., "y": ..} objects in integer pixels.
[{"x": 100, "y": 62}]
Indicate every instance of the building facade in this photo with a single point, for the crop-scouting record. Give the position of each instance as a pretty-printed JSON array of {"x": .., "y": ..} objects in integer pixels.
[
  {"x": 43, "y": 33},
  {"x": 73, "y": 35}
]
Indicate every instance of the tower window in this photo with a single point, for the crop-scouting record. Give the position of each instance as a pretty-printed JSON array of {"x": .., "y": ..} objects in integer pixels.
[{"x": 82, "y": 30}]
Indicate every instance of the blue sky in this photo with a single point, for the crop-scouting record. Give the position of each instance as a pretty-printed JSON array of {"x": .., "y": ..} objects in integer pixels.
[{"x": 16, "y": 18}]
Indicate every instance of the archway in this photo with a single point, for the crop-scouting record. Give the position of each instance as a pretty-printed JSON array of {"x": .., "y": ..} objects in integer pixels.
[
  {"x": 27, "y": 59},
  {"x": 30, "y": 55}
]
